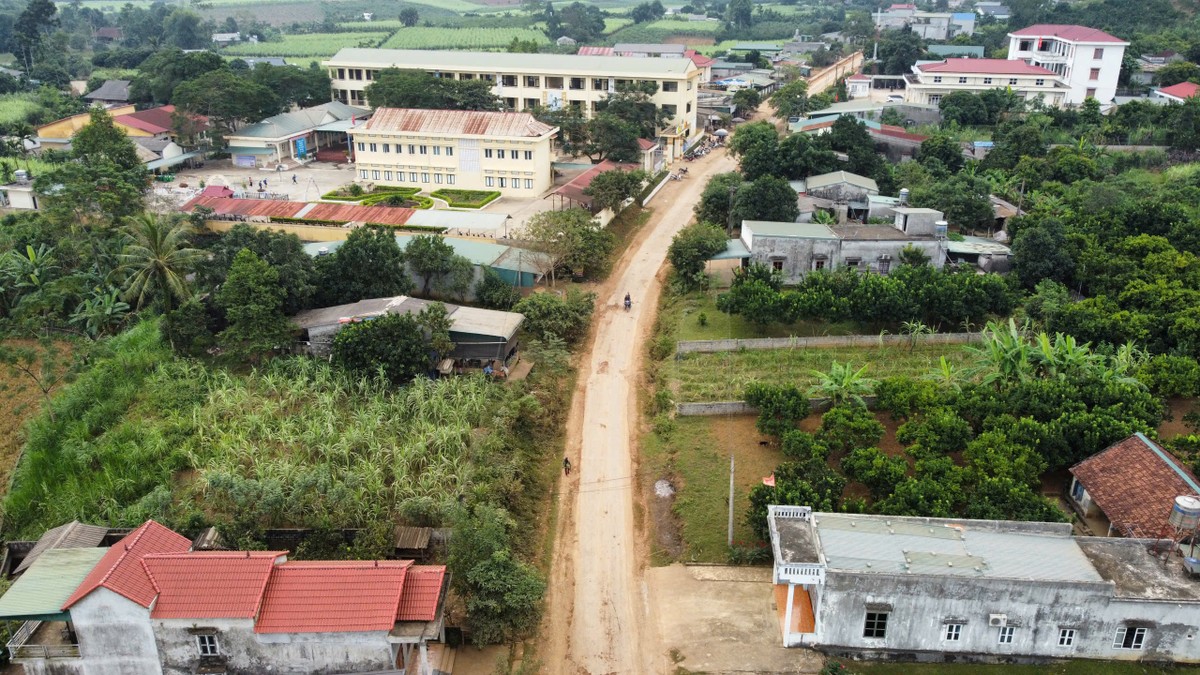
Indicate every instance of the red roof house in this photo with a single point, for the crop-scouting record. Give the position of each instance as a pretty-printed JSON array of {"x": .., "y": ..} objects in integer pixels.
[
  {"x": 422, "y": 593},
  {"x": 1068, "y": 32},
  {"x": 210, "y": 584},
  {"x": 1178, "y": 92},
  {"x": 986, "y": 67},
  {"x": 1133, "y": 484},
  {"x": 330, "y": 597},
  {"x": 121, "y": 570},
  {"x": 154, "y": 121}
]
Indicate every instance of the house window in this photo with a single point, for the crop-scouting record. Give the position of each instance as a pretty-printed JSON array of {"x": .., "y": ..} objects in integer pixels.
[
  {"x": 853, "y": 262},
  {"x": 1129, "y": 638},
  {"x": 1095, "y": 74},
  {"x": 362, "y": 174},
  {"x": 489, "y": 181},
  {"x": 531, "y": 103},
  {"x": 449, "y": 151},
  {"x": 777, "y": 265},
  {"x": 962, "y": 80},
  {"x": 362, "y": 146},
  {"x": 437, "y": 178},
  {"x": 1091, "y": 92},
  {"x": 528, "y": 183},
  {"x": 554, "y": 83},
  {"x": 885, "y": 266},
  {"x": 499, "y": 154},
  {"x": 599, "y": 84},
  {"x": 577, "y": 83},
  {"x": 387, "y": 147},
  {"x": 875, "y": 625},
  {"x": 488, "y": 153},
  {"x": 387, "y": 175},
  {"x": 374, "y": 147},
  {"x": 424, "y": 149},
  {"x": 670, "y": 86},
  {"x": 208, "y": 645},
  {"x": 670, "y": 109},
  {"x": 1039, "y": 82},
  {"x": 412, "y": 176},
  {"x": 341, "y": 73},
  {"x": 450, "y": 179},
  {"x": 819, "y": 265},
  {"x": 1099, "y": 53},
  {"x": 399, "y": 149},
  {"x": 1006, "y": 634},
  {"x": 464, "y": 76},
  {"x": 935, "y": 99},
  {"x": 508, "y": 80},
  {"x": 987, "y": 80},
  {"x": 412, "y": 149},
  {"x": 953, "y": 632},
  {"x": 1025, "y": 45},
  {"x": 503, "y": 182},
  {"x": 437, "y": 150},
  {"x": 1012, "y": 81},
  {"x": 424, "y": 178},
  {"x": 375, "y": 174},
  {"x": 937, "y": 79},
  {"x": 533, "y": 81},
  {"x": 1066, "y": 637},
  {"x": 528, "y": 154}
]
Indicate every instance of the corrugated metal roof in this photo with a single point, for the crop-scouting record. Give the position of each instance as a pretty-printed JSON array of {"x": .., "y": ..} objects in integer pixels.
[
  {"x": 471, "y": 320},
  {"x": 290, "y": 124},
  {"x": 595, "y": 51},
  {"x": 977, "y": 246},
  {"x": 982, "y": 549},
  {"x": 209, "y": 584},
  {"x": 337, "y": 212},
  {"x": 799, "y": 230},
  {"x": 481, "y": 321},
  {"x": 478, "y": 221},
  {"x": 121, "y": 571},
  {"x": 499, "y": 62},
  {"x": 422, "y": 593},
  {"x": 72, "y": 535},
  {"x": 412, "y": 537},
  {"x": 111, "y": 90},
  {"x": 332, "y": 597},
  {"x": 836, "y": 177},
  {"x": 43, "y": 589},
  {"x": 456, "y": 123}
]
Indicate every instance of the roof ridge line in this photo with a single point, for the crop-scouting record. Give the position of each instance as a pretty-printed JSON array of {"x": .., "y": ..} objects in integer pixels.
[{"x": 1166, "y": 457}]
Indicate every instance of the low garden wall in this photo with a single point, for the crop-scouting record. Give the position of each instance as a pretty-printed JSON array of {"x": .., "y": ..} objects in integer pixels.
[
  {"x": 822, "y": 341},
  {"x": 716, "y": 408}
]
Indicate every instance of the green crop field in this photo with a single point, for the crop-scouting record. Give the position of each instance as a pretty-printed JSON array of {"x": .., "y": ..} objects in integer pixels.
[
  {"x": 18, "y": 108},
  {"x": 663, "y": 29},
  {"x": 370, "y": 26},
  {"x": 460, "y": 38},
  {"x": 309, "y": 44}
]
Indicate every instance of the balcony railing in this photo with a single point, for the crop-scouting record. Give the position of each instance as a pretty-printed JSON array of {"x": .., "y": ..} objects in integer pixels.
[{"x": 19, "y": 650}]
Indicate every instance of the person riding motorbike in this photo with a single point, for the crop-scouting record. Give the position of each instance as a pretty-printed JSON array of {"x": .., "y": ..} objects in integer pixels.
[{"x": 628, "y": 302}]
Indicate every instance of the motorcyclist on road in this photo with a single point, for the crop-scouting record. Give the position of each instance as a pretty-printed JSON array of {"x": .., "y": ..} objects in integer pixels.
[{"x": 628, "y": 301}]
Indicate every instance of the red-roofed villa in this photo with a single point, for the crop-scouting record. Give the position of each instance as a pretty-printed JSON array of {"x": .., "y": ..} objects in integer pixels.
[
  {"x": 932, "y": 81},
  {"x": 1177, "y": 93},
  {"x": 1087, "y": 60},
  {"x": 150, "y": 605}
]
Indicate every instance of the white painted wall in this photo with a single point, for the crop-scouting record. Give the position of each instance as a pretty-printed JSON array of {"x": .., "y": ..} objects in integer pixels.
[{"x": 115, "y": 637}]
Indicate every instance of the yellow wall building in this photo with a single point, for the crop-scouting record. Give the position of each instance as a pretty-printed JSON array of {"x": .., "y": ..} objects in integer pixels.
[
  {"x": 434, "y": 149},
  {"x": 524, "y": 81}
]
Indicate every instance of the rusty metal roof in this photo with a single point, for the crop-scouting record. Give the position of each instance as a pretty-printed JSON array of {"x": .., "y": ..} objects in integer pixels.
[
  {"x": 456, "y": 122},
  {"x": 412, "y": 537},
  {"x": 72, "y": 535},
  {"x": 336, "y": 213}
]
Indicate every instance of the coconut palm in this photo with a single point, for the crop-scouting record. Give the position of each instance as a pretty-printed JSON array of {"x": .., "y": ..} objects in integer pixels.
[
  {"x": 157, "y": 258},
  {"x": 842, "y": 384}
]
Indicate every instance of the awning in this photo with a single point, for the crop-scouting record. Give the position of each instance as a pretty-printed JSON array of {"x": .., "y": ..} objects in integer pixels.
[
  {"x": 341, "y": 126},
  {"x": 735, "y": 249},
  {"x": 39, "y": 593},
  {"x": 251, "y": 151},
  {"x": 172, "y": 161}
]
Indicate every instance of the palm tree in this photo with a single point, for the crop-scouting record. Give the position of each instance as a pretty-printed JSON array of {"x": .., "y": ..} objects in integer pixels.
[
  {"x": 842, "y": 384},
  {"x": 157, "y": 257}
]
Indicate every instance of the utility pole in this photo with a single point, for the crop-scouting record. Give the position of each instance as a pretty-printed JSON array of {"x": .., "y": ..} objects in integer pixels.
[{"x": 730, "y": 538}]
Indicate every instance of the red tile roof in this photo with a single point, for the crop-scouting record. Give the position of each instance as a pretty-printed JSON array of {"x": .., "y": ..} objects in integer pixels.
[
  {"x": 1067, "y": 32},
  {"x": 699, "y": 59},
  {"x": 421, "y": 594},
  {"x": 646, "y": 144},
  {"x": 574, "y": 188},
  {"x": 1135, "y": 483},
  {"x": 337, "y": 213},
  {"x": 595, "y": 51},
  {"x": 154, "y": 120},
  {"x": 985, "y": 66},
  {"x": 209, "y": 585},
  {"x": 1184, "y": 90},
  {"x": 332, "y": 597},
  {"x": 465, "y": 122},
  {"x": 121, "y": 571}
]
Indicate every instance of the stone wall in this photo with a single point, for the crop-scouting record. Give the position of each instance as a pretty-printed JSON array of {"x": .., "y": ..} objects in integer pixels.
[{"x": 822, "y": 341}]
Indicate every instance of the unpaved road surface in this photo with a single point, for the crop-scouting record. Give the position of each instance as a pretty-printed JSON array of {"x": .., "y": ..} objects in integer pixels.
[{"x": 599, "y": 618}]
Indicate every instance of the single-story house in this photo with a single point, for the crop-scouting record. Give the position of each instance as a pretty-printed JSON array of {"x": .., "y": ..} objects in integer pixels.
[
  {"x": 292, "y": 136},
  {"x": 988, "y": 255},
  {"x": 839, "y": 186},
  {"x": 155, "y": 123},
  {"x": 57, "y": 135},
  {"x": 151, "y": 604},
  {"x": 111, "y": 93},
  {"x": 108, "y": 34},
  {"x": 253, "y": 61},
  {"x": 223, "y": 39},
  {"x": 1177, "y": 93},
  {"x": 1129, "y": 489},
  {"x": 571, "y": 194},
  {"x": 858, "y": 86},
  {"x": 906, "y": 589},
  {"x": 479, "y": 335}
]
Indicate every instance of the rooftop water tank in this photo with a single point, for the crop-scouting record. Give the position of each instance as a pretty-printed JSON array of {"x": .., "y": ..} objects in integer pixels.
[
  {"x": 940, "y": 229},
  {"x": 1185, "y": 514},
  {"x": 904, "y": 196},
  {"x": 21, "y": 176}
]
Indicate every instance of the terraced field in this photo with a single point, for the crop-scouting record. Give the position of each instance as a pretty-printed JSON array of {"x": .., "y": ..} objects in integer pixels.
[{"x": 419, "y": 37}]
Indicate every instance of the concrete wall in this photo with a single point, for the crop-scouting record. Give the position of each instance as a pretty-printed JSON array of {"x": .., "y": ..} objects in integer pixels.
[
  {"x": 248, "y": 653},
  {"x": 712, "y": 346},
  {"x": 870, "y": 252},
  {"x": 826, "y": 78},
  {"x": 795, "y": 253},
  {"x": 115, "y": 637},
  {"x": 921, "y": 606}
]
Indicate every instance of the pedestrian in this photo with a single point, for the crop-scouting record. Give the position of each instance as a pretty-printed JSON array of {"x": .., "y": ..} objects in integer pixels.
[
  {"x": 265, "y": 183},
  {"x": 566, "y": 466},
  {"x": 294, "y": 181}
]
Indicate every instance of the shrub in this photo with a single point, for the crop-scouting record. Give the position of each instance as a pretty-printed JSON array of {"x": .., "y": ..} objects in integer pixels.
[
  {"x": 1170, "y": 376},
  {"x": 493, "y": 291},
  {"x": 548, "y": 315},
  {"x": 780, "y": 407},
  {"x": 393, "y": 344},
  {"x": 466, "y": 199}
]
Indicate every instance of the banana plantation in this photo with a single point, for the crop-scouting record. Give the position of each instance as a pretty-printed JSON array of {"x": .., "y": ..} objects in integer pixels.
[{"x": 144, "y": 434}]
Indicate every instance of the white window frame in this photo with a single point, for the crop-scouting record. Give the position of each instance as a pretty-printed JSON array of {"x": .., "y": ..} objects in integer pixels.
[
  {"x": 500, "y": 153},
  {"x": 528, "y": 183},
  {"x": 489, "y": 181},
  {"x": 387, "y": 147},
  {"x": 1006, "y": 635},
  {"x": 503, "y": 182},
  {"x": 362, "y": 173},
  {"x": 1040, "y": 82},
  {"x": 953, "y": 632},
  {"x": 449, "y": 179},
  {"x": 488, "y": 153},
  {"x": 1138, "y": 642},
  {"x": 528, "y": 154},
  {"x": 1066, "y": 637},
  {"x": 937, "y": 79},
  {"x": 962, "y": 80},
  {"x": 374, "y": 174},
  {"x": 987, "y": 80},
  {"x": 362, "y": 147},
  {"x": 374, "y": 147},
  {"x": 449, "y": 151},
  {"x": 437, "y": 150},
  {"x": 412, "y": 176},
  {"x": 207, "y": 645},
  {"x": 387, "y": 175},
  {"x": 424, "y": 177}
]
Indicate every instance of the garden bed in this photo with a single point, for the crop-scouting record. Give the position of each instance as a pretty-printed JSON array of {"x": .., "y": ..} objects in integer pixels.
[
  {"x": 347, "y": 194},
  {"x": 466, "y": 199}
]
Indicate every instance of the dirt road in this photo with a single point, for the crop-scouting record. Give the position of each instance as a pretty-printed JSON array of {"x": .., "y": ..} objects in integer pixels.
[{"x": 598, "y": 617}]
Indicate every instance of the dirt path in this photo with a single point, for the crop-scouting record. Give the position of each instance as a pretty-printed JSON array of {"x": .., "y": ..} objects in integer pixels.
[{"x": 598, "y": 615}]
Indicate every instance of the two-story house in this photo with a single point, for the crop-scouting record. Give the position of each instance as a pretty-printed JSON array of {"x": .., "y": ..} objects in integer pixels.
[
  {"x": 1087, "y": 59},
  {"x": 527, "y": 81},
  {"x": 930, "y": 82}
]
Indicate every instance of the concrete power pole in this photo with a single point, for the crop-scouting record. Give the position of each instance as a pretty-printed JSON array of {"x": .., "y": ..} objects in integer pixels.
[{"x": 730, "y": 538}]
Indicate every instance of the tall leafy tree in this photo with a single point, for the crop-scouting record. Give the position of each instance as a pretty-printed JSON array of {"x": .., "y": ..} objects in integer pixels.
[
  {"x": 791, "y": 100},
  {"x": 253, "y": 302},
  {"x": 284, "y": 252},
  {"x": 431, "y": 258},
  {"x": 394, "y": 344},
  {"x": 691, "y": 249},
  {"x": 768, "y": 198},
  {"x": 370, "y": 264},
  {"x": 241, "y": 100},
  {"x": 31, "y": 28},
  {"x": 610, "y": 189},
  {"x": 395, "y": 88},
  {"x": 157, "y": 260},
  {"x": 757, "y": 147}
]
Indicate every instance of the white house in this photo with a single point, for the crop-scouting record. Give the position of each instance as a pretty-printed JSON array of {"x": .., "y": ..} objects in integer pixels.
[
  {"x": 945, "y": 590},
  {"x": 1088, "y": 60},
  {"x": 150, "y": 605},
  {"x": 930, "y": 82}
]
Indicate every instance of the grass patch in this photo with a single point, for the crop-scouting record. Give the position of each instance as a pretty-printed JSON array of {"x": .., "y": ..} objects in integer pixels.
[
  {"x": 427, "y": 37},
  {"x": 721, "y": 326},
  {"x": 466, "y": 199},
  {"x": 724, "y": 376},
  {"x": 344, "y": 195},
  {"x": 1076, "y": 667}
]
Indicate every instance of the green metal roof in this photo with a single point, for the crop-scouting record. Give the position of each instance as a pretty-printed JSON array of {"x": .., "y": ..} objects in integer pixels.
[
  {"x": 288, "y": 124},
  {"x": 39, "y": 593},
  {"x": 249, "y": 151},
  {"x": 800, "y": 230}
]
